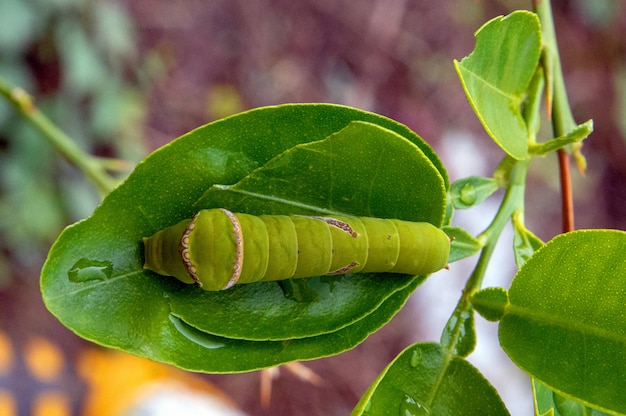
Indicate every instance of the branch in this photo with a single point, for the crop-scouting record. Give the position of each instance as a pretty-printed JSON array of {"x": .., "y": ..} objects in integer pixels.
[
  {"x": 559, "y": 110},
  {"x": 92, "y": 166}
]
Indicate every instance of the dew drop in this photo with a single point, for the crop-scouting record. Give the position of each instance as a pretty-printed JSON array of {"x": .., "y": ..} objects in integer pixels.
[
  {"x": 85, "y": 270},
  {"x": 468, "y": 194},
  {"x": 411, "y": 407},
  {"x": 416, "y": 358}
]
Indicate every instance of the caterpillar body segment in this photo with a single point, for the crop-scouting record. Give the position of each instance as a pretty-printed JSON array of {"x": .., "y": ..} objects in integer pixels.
[{"x": 217, "y": 248}]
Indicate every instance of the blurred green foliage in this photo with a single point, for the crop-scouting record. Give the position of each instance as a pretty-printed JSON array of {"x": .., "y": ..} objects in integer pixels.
[{"x": 79, "y": 60}]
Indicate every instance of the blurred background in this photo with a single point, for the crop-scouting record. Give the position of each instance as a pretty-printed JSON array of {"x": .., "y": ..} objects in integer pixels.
[{"x": 125, "y": 77}]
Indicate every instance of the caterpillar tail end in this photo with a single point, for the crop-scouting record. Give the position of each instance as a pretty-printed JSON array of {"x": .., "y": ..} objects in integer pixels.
[{"x": 162, "y": 259}]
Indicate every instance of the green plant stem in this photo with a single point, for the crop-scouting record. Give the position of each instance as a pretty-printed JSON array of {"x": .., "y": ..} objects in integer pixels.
[
  {"x": 559, "y": 109},
  {"x": 90, "y": 165},
  {"x": 513, "y": 201}
]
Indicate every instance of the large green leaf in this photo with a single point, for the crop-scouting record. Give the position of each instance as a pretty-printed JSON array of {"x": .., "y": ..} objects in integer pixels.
[
  {"x": 336, "y": 165},
  {"x": 362, "y": 170},
  {"x": 565, "y": 322},
  {"x": 94, "y": 283},
  {"x": 423, "y": 380},
  {"x": 497, "y": 73}
]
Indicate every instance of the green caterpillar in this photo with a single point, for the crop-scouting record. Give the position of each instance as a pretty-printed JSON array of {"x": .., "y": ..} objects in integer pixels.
[{"x": 217, "y": 248}]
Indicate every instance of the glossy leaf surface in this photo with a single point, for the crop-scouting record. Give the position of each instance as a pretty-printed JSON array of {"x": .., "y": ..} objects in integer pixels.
[
  {"x": 497, "y": 73},
  {"x": 565, "y": 323},
  {"x": 463, "y": 244},
  {"x": 549, "y": 403},
  {"x": 459, "y": 334},
  {"x": 525, "y": 243},
  {"x": 490, "y": 302},
  {"x": 93, "y": 280},
  {"x": 470, "y": 191},
  {"x": 337, "y": 300},
  {"x": 422, "y": 380}
]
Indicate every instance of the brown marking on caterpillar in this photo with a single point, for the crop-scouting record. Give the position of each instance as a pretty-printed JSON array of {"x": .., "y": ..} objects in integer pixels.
[
  {"x": 238, "y": 264},
  {"x": 344, "y": 269},
  {"x": 183, "y": 249},
  {"x": 342, "y": 225}
]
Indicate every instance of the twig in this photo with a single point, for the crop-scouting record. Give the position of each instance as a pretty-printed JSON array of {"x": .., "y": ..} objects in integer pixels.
[
  {"x": 559, "y": 109},
  {"x": 567, "y": 202},
  {"x": 90, "y": 165}
]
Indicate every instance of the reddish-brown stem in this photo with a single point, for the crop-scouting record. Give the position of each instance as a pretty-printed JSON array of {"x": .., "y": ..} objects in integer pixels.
[
  {"x": 567, "y": 204},
  {"x": 559, "y": 111}
]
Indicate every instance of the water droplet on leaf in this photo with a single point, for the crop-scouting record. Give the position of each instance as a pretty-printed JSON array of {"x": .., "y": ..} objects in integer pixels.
[
  {"x": 416, "y": 358},
  {"x": 468, "y": 194},
  {"x": 411, "y": 407},
  {"x": 85, "y": 270}
]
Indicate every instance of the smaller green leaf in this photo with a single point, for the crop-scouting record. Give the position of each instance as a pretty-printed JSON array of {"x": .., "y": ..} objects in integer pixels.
[
  {"x": 459, "y": 335},
  {"x": 490, "y": 302},
  {"x": 549, "y": 403},
  {"x": 471, "y": 191},
  {"x": 580, "y": 133},
  {"x": 497, "y": 73},
  {"x": 542, "y": 396},
  {"x": 565, "y": 322},
  {"x": 525, "y": 243},
  {"x": 463, "y": 244},
  {"x": 423, "y": 380}
]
